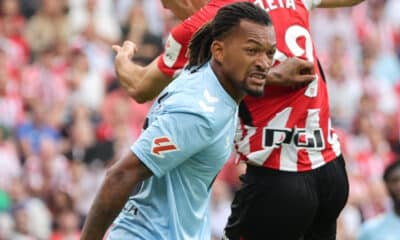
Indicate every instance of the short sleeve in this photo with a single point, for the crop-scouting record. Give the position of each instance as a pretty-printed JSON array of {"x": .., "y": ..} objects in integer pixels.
[
  {"x": 170, "y": 140},
  {"x": 174, "y": 57},
  {"x": 311, "y": 4}
]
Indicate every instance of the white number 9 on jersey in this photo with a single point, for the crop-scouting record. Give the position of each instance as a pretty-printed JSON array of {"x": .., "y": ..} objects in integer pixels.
[{"x": 292, "y": 34}]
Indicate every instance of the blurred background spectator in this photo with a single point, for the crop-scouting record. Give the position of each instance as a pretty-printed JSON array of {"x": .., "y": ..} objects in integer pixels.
[
  {"x": 64, "y": 120},
  {"x": 387, "y": 225}
]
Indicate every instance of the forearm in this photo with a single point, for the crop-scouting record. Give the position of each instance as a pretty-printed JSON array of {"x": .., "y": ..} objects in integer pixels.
[
  {"x": 338, "y": 3},
  {"x": 141, "y": 83},
  {"x": 182, "y": 8},
  {"x": 129, "y": 75},
  {"x": 108, "y": 203}
]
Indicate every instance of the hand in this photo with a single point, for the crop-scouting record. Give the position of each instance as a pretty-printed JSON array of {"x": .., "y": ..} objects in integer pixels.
[
  {"x": 293, "y": 72},
  {"x": 142, "y": 83},
  {"x": 125, "y": 68},
  {"x": 126, "y": 51}
]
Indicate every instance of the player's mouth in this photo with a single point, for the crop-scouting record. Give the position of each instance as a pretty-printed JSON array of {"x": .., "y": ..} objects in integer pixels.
[{"x": 258, "y": 78}]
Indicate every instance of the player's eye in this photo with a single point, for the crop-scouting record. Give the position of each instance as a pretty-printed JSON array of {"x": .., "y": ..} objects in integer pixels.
[
  {"x": 271, "y": 53},
  {"x": 251, "y": 51}
]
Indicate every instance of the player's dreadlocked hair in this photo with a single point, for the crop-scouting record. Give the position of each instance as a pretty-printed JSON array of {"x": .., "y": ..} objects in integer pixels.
[
  {"x": 390, "y": 169},
  {"x": 226, "y": 19}
]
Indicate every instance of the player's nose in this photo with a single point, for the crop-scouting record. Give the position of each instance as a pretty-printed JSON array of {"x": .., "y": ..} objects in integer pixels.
[{"x": 264, "y": 62}]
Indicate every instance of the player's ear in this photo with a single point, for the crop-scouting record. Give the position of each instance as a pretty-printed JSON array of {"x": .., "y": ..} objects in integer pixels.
[{"x": 217, "y": 50}]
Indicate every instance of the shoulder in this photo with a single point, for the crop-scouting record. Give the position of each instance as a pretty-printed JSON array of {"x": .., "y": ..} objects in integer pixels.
[{"x": 198, "y": 93}]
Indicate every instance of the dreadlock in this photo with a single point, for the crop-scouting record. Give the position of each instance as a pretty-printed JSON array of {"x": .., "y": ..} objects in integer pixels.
[
  {"x": 390, "y": 169},
  {"x": 226, "y": 19}
]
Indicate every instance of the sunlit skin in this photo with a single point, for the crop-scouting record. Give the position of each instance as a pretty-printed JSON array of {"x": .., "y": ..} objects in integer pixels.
[{"x": 242, "y": 59}]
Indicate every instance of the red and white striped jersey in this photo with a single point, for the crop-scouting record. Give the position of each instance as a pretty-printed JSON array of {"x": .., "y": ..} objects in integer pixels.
[
  {"x": 289, "y": 129},
  {"x": 174, "y": 57},
  {"x": 286, "y": 129},
  {"x": 11, "y": 110}
]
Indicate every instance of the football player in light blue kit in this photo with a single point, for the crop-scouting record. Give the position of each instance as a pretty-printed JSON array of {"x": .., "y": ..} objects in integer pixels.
[
  {"x": 188, "y": 135},
  {"x": 387, "y": 225},
  {"x": 186, "y": 144}
]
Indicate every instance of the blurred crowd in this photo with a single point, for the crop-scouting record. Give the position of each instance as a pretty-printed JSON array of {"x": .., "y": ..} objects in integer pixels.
[{"x": 64, "y": 119}]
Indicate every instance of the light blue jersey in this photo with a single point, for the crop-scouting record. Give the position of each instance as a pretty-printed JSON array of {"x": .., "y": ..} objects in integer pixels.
[
  {"x": 384, "y": 227},
  {"x": 188, "y": 139}
]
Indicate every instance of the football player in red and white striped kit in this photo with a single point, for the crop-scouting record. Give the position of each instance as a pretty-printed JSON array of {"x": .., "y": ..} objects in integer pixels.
[{"x": 295, "y": 184}]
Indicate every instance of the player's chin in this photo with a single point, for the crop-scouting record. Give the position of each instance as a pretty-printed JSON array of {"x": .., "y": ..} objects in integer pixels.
[
  {"x": 255, "y": 87},
  {"x": 255, "y": 91}
]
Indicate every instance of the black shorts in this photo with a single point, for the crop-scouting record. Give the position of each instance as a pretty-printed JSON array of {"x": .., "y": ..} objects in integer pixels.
[{"x": 280, "y": 205}]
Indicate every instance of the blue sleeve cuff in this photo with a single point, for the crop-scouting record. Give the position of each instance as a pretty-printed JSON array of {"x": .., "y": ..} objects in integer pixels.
[{"x": 147, "y": 161}]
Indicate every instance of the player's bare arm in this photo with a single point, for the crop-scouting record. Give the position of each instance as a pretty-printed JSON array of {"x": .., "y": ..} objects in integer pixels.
[
  {"x": 338, "y": 3},
  {"x": 292, "y": 72},
  {"x": 183, "y": 8},
  {"x": 142, "y": 83},
  {"x": 113, "y": 194},
  {"x": 145, "y": 83}
]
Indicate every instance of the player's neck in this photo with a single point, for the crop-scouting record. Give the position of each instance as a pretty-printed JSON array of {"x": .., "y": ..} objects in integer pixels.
[{"x": 229, "y": 87}]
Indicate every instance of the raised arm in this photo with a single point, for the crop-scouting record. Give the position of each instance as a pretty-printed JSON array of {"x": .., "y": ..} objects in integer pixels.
[
  {"x": 293, "y": 72},
  {"x": 121, "y": 178},
  {"x": 145, "y": 83},
  {"x": 183, "y": 8},
  {"x": 142, "y": 83},
  {"x": 338, "y": 3}
]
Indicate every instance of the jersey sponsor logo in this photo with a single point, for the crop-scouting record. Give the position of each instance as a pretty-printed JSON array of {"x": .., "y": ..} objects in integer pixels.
[
  {"x": 300, "y": 137},
  {"x": 162, "y": 145},
  {"x": 172, "y": 50},
  {"x": 276, "y": 134}
]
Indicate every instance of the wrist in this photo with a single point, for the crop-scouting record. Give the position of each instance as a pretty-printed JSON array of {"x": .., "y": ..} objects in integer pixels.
[{"x": 274, "y": 78}]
